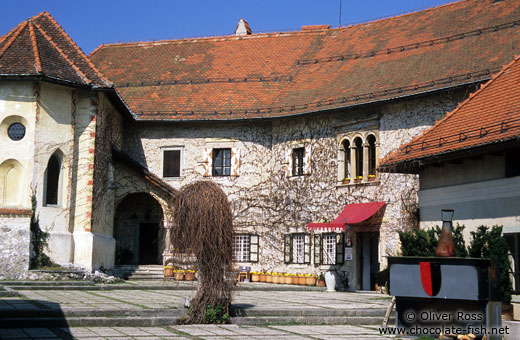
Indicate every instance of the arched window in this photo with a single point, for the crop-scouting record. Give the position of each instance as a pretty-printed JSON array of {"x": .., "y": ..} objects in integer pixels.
[
  {"x": 52, "y": 180},
  {"x": 371, "y": 139},
  {"x": 359, "y": 157},
  {"x": 348, "y": 161},
  {"x": 10, "y": 182}
]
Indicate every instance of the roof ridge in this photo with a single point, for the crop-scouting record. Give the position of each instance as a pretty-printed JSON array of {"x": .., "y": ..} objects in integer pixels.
[
  {"x": 36, "y": 53},
  {"x": 76, "y": 47},
  {"x": 459, "y": 106},
  {"x": 60, "y": 51},
  {"x": 264, "y": 34},
  {"x": 13, "y": 37}
]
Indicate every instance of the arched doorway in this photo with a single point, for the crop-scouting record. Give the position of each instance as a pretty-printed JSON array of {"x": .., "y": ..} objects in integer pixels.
[{"x": 138, "y": 230}]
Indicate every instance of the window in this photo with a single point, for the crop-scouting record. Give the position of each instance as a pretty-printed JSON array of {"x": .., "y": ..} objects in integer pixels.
[
  {"x": 245, "y": 248},
  {"x": 172, "y": 162},
  {"x": 347, "y": 159},
  {"x": 221, "y": 162},
  {"x": 513, "y": 240},
  {"x": 297, "y": 161},
  {"x": 16, "y": 131},
  {"x": 371, "y": 139},
  {"x": 52, "y": 180},
  {"x": 328, "y": 248},
  {"x": 359, "y": 157},
  {"x": 297, "y": 248},
  {"x": 10, "y": 182}
]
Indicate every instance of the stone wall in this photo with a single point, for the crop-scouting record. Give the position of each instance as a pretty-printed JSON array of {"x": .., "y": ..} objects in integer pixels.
[
  {"x": 270, "y": 203},
  {"x": 14, "y": 245}
]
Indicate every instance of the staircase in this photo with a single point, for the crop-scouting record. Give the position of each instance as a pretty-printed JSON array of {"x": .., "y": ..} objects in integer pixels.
[{"x": 141, "y": 272}]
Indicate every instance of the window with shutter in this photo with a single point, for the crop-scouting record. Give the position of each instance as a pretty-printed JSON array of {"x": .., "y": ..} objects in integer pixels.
[
  {"x": 254, "y": 248},
  {"x": 298, "y": 155},
  {"x": 221, "y": 162},
  {"x": 287, "y": 248},
  {"x": 340, "y": 246},
  {"x": 172, "y": 163},
  {"x": 317, "y": 249}
]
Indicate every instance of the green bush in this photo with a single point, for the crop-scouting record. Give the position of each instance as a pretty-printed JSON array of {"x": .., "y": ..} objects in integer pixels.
[
  {"x": 423, "y": 242},
  {"x": 216, "y": 315},
  {"x": 491, "y": 244},
  {"x": 419, "y": 242}
]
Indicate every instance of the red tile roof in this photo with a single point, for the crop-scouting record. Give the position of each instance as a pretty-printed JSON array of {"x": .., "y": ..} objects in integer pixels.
[
  {"x": 39, "y": 47},
  {"x": 490, "y": 115},
  {"x": 282, "y": 74}
]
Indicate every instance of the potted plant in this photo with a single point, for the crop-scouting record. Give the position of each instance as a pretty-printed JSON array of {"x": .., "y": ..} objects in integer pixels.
[
  {"x": 255, "y": 276},
  {"x": 287, "y": 278},
  {"x": 371, "y": 178},
  {"x": 310, "y": 280},
  {"x": 276, "y": 277},
  {"x": 346, "y": 180},
  {"x": 168, "y": 271},
  {"x": 189, "y": 275},
  {"x": 321, "y": 280},
  {"x": 358, "y": 179},
  {"x": 269, "y": 277},
  {"x": 178, "y": 275},
  {"x": 263, "y": 277},
  {"x": 301, "y": 280}
]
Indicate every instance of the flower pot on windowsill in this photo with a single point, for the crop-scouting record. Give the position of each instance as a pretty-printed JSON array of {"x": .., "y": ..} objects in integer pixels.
[
  {"x": 371, "y": 178},
  {"x": 346, "y": 180},
  {"x": 358, "y": 180}
]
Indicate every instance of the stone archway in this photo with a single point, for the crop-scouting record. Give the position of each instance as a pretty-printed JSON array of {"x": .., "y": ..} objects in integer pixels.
[{"x": 138, "y": 230}]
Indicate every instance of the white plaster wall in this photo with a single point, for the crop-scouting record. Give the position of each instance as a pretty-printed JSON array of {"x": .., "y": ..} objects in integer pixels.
[
  {"x": 14, "y": 247},
  {"x": 492, "y": 202},
  {"x": 17, "y": 100},
  {"x": 54, "y": 133}
]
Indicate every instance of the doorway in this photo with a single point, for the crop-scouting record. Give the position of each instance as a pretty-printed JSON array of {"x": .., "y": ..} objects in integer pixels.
[
  {"x": 138, "y": 230},
  {"x": 367, "y": 259},
  {"x": 148, "y": 243}
]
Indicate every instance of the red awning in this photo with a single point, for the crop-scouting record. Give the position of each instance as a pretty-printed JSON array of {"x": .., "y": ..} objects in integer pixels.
[{"x": 351, "y": 214}]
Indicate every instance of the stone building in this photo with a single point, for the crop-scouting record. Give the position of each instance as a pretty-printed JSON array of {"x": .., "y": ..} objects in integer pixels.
[{"x": 291, "y": 125}]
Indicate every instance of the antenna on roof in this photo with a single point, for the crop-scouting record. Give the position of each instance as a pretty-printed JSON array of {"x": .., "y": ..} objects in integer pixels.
[{"x": 340, "y": 1}]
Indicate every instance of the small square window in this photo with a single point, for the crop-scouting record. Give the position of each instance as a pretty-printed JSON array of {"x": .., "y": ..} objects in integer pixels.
[
  {"x": 297, "y": 161},
  {"x": 221, "y": 162},
  {"x": 172, "y": 163}
]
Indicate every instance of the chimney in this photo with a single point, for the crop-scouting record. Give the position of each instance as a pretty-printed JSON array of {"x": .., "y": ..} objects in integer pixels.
[{"x": 243, "y": 28}]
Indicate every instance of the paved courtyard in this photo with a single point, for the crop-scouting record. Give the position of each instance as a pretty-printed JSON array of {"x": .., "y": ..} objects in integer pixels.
[
  {"x": 218, "y": 332},
  {"x": 147, "y": 298}
]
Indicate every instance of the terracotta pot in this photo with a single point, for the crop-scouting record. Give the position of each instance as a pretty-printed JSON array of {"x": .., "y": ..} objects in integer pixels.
[
  {"x": 370, "y": 179},
  {"x": 321, "y": 283},
  {"x": 263, "y": 277},
  {"x": 276, "y": 278},
  {"x": 302, "y": 280},
  {"x": 310, "y": 281},
  {"x": 178, "y": 276},
  {"x": 358, "y": 180},
  {"x": 294, "y": 280},
  {"x": 287, "y": 280},
  {"x": 255, "y": 277},
  {"x": 346, "y": 181},
  {"x": 268, "y": 278},
  {"x": 168, "y": 271},
  {"x": 189, "y": 276}
]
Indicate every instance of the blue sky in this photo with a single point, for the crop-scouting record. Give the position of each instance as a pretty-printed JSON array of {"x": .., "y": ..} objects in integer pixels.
[{"x": 93, "y": 22}]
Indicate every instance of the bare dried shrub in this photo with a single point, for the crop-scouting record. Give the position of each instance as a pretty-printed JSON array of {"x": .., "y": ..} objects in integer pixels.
[{"x": 203, "y": 227}]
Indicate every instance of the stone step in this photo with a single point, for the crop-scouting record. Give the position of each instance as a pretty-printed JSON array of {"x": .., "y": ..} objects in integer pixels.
[
  {"x": 47, "y": 283},
  {"x": 239, "y": 311},
  {"x": 88, "y": 321},
  {"x": 308, "y": 320}
]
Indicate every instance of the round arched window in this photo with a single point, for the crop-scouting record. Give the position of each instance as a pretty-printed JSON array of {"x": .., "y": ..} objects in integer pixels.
[{"x": 16, "y": 131}]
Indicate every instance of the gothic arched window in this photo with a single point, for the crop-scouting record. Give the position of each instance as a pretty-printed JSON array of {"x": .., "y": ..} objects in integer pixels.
[{"x": 52, "y": 180}]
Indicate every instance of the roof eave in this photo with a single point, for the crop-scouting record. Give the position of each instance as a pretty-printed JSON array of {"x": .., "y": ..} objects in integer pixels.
[{"x": 416, "y": 165}]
